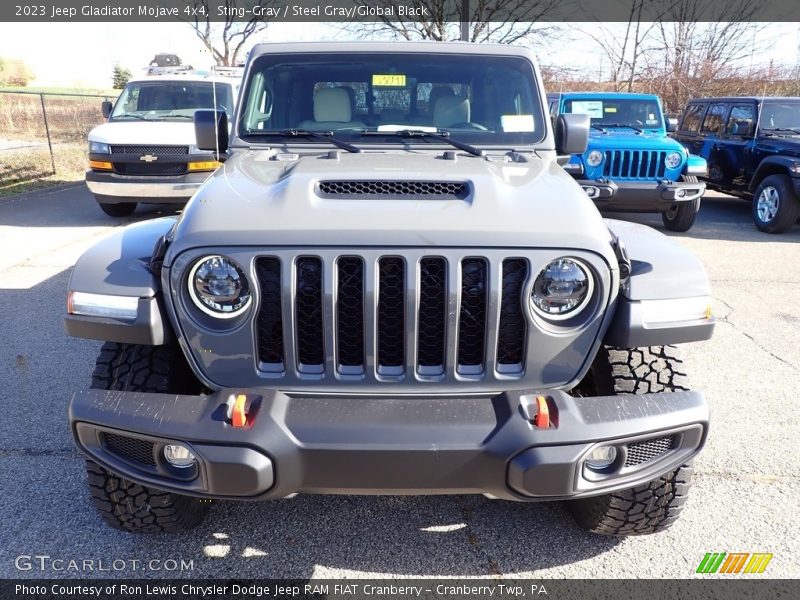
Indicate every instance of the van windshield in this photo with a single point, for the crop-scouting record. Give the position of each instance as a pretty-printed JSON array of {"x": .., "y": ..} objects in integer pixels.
[
  {"x": 643, "y": 113},
  {"x": 170, "y": 100},
  {"x": 369, "y": 98}
]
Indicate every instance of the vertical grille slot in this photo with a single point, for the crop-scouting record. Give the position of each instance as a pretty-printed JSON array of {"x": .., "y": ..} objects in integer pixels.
[
  {"x": 472, "y": 315},
  {"x": 350, "y": 314},
  {"x": 270, "y": 319},
  {"x": 391, "y": 315},
  {"x": 513, "y": 328},
  {"x": 308, "y": 315},
  {"x": 634, "y": 164},
  {"x": 432, "y": 319}
]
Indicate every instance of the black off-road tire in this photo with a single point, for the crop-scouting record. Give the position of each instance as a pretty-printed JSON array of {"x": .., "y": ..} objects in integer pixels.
[
  {"x": 788, "y": 205},
  {"x": 121, "y": 503},
  {"x": 682, "y": 215},
  {"x": 119, "y": 210},
  {"x": 656, "y": 505}
]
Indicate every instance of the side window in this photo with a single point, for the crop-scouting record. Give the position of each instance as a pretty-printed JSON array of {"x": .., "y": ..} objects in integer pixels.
[
  {"x": 692, "y": 117},
  {"x": 714, "y": 118},
  {"x": 741, "y": 121}
]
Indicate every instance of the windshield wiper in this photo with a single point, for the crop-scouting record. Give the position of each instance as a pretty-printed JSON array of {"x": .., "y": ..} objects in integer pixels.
[
  {"x": 440, "y": 135},
  {"x": 129, "y": 116},
  {"x": 322, "y": 136},
  {"x": 789, "y": 129},
  {"x": 597, "y": 127},
  {"x": 634, "y": 127}
]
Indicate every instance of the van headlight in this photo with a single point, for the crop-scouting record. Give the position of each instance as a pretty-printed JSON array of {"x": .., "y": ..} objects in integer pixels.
[
  {"x": 219, "y": 287},
  {"x": 562, "y": 289},
  {"x": 98, "y": 147}
]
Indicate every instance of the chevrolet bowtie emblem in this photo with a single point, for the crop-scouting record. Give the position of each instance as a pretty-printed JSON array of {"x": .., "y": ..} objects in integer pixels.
[{"x": 148, "y": 158}]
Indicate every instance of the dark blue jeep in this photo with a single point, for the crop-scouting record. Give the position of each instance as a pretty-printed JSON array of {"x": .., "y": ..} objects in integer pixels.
[
  {"x": 631, "y": 165},
  {"x": 752, "y": 146}
]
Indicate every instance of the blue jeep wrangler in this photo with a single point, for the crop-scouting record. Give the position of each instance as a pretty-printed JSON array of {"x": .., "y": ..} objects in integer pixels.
[
  {"x": 631, "y": 165},
  {"x": 752, "y": 145}
]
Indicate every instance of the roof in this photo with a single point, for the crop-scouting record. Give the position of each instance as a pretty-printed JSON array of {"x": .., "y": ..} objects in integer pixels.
[
  {"x": 605, "y": 95},
  {"x": 744, "y": 98},
  {"x": 426, "y": 47},
  {"x": 182, "y": 79}
]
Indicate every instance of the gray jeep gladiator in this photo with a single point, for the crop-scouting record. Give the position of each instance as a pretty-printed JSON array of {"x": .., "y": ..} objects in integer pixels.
[{"x": 391, "y": 286}]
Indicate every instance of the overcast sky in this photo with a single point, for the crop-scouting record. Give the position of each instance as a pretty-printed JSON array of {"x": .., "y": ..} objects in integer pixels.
[{"x": 83, "y": 54}]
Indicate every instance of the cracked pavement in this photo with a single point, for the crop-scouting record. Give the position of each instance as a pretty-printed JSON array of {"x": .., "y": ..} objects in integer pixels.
[{"x": 746, "y": 495}]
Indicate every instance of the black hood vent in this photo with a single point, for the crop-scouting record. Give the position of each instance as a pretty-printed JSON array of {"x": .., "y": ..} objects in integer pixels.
[{"x": 384, "y": 189}]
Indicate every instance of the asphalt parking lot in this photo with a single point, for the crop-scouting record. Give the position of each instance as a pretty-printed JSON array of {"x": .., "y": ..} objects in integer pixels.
[{"x": 746, "y": 496}]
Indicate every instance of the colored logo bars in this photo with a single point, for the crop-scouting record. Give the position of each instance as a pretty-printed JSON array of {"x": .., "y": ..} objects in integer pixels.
[{"x": 734, "y": 562}]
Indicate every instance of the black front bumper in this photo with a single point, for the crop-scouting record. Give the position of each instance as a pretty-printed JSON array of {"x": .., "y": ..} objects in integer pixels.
[
  {"x": 390, "y": 445},
  {"x": 640, "y": 196}
]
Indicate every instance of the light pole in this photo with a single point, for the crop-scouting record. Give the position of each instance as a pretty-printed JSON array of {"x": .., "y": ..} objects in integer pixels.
[{"x": 464, "y": 20}]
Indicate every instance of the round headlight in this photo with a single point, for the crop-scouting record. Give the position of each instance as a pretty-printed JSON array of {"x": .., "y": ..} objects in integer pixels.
[
  {"x": 673, "y": 159},
  {"x": 219, "y": 287},
  {"x": 594, "y": 158},
  {"x": 561, "y": 289}
]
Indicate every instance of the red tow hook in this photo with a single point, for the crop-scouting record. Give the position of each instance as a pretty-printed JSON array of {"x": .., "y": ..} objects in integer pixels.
[
  {"x": 542, "y": 418},
  {"x": 540, "y": 411}
]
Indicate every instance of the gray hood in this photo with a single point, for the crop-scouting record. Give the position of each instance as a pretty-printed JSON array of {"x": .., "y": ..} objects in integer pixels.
[{"x": 256, "y": 200}]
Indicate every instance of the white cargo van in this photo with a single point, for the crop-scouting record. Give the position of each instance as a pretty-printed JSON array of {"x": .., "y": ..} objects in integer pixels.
[{"x": 146, "y": 151}]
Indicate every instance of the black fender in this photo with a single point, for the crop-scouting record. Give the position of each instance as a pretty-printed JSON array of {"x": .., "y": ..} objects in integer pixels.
[
  {"x": 665, "y": 299},
  {"x": 123, "y": 265},
  {"x": 773, "y": 165}
]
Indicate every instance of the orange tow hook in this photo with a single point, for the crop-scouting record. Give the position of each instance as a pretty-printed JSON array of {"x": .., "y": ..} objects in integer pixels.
[
  {"x": 542, "y": 418},
  {"x": 237, "y": 410}
]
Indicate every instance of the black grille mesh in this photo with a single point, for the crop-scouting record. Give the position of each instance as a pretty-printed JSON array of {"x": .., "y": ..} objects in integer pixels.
[
  {"x": 350, "y": 311},
  {"x": 129, "y": 448},
  {"x": 440, "y": 189},
  {"x": 152, "y": 150},
  {"x": 642, "y": 452},
  {"x": 308, "y": 304},
  {"x": 270, "y": 319},
  {"x": 512, "y": 328},
  {"x": 472, "y": 321},
  {"x": 391, "y": 311},
  {"x": 432, "y": 312},
  {"x": 154, "y": 168}
]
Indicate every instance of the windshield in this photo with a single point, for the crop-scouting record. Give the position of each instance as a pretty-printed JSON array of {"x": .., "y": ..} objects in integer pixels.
[
  {"x": 642, "y": 113},
  {"x": 779, "y": 115},
  {"x": 478, "y": 99},
  {"x": 170, "y": 100}
]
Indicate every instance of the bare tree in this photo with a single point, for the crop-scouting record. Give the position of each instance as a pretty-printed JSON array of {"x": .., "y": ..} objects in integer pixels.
[
  {"x": 498, "y": 21},
  {"x": 226, "y": 39}
]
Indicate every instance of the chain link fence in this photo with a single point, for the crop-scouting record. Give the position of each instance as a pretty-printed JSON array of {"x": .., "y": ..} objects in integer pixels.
[{"x": 44, "y": 134}]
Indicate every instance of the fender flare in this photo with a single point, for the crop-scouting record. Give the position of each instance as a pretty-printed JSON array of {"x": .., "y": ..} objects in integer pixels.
[
  {"x": 122, "y": 265},
  {"x": 771, "y": 165}
]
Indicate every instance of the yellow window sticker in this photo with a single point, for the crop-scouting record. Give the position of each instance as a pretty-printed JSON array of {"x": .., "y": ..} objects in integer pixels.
[
  {"x": 388, "y": 80},
  {"x": 611, "y": 109}
]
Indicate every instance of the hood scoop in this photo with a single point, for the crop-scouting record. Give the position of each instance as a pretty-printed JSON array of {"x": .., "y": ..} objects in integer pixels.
[{"x": 384, "y": 189}]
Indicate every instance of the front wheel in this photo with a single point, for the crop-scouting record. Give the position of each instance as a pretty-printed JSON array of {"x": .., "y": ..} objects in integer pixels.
[
  {"x": 681, "y": 215},
  {"x": 656, "y": 505},
  {"x": 775, "y": 205},
  {"x": 121, "y": 503}
]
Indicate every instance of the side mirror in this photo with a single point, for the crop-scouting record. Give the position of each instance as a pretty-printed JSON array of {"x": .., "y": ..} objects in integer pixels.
[
  {"x": 211, "y": 130},
  {"x": 672, "y": 124},
  {"x": 742, "y": 128},
  {"x": 572, "y": 133},
  {"x": 106, "y": 107}
]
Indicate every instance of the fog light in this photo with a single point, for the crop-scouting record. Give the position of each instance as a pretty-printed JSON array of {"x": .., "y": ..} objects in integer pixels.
[
  {"x": 179, "y": 456},
  {"x": 601, "y": 458},
  {"x": 680, "y": 193}
]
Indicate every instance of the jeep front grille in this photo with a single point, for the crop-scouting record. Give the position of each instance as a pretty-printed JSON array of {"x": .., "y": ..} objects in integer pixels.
[
  {"x": 441, "y": 190},
  {"x": 389, "y": 316},
  {"x": 634, "y": 164},
  {"x": 151, "y": 150}
]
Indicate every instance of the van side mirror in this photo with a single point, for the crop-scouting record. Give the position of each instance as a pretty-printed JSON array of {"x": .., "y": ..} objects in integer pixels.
[
  {"x": 211, "y": 130},
  {"x": 572, "y": 133},
  {"x": 106, "y": 107},
  {"x": 672, "y": 124}
]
